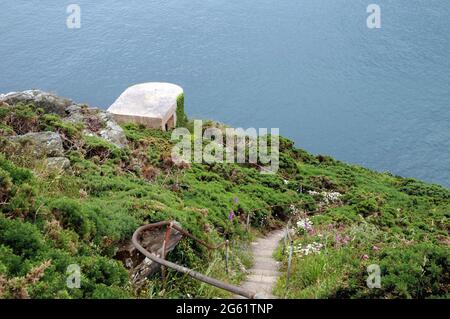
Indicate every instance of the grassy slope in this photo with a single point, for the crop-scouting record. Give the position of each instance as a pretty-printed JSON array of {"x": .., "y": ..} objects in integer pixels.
[
  {"x": 82, "y": 216},
  {"x": 400, "y": 224}
]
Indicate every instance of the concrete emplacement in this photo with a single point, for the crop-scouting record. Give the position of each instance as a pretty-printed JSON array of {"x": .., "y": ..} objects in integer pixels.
[{"x": 152, "y": 104}]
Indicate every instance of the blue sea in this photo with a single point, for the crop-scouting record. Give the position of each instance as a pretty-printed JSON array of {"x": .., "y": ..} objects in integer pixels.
[{"x": 375, "y": 97}]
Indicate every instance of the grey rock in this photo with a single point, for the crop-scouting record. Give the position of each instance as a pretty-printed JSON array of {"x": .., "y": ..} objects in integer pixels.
[
  {"x": 112, "y": 132},
  {"x": 97, "y": 123},
  {"x": 75, "y": 113},
  {"x": 51, "y": 103},
  {"x": 47, "y": 144},
  {"x": 58, "y": 163}
]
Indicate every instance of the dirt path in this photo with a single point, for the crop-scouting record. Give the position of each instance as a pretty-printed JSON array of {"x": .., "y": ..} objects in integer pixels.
[{"x": 264, "y": 273}]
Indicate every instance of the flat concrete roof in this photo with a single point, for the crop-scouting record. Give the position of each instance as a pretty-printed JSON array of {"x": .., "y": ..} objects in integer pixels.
[{"x": 153, "y": 100}]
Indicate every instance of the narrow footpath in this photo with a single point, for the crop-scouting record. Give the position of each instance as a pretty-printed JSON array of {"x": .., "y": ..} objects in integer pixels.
[{"x": 264, "y": 273}]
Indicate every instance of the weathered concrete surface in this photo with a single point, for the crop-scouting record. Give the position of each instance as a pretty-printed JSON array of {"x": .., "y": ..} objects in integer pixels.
[
  {"x": 264, "y": 273},
  {"x": 151, "y": 104}
]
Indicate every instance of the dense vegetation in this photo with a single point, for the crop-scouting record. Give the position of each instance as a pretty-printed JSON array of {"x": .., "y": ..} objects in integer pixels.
[
  {"x": 399, "y": 224},
  {"x": 51, "y": 219}
]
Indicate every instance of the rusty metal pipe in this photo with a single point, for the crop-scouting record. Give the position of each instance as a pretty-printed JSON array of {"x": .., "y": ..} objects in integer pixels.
[
  {"x": 164, "y": 253},
  {"x": 196, "y": 275}
]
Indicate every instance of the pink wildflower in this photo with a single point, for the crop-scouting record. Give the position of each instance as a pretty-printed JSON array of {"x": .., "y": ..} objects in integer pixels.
[
  {"x": 365, "y": 257},
  {"x": 376, "y": 248}
]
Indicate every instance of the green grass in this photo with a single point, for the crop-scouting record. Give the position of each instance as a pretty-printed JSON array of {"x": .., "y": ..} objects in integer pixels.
[{"x": 407, "y": 221}]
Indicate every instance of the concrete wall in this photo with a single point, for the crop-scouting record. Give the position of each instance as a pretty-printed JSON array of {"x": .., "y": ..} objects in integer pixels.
[
  {"x": 147, "y": 121},
  {"x": 150, "y": 122}
]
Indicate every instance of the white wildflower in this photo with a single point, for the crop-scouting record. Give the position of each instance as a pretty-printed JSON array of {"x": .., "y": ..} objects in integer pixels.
[
  {"x": 328, "y": 197},
  {"x": 305, "y": 224},
  {"x": 309, "y": 249}
]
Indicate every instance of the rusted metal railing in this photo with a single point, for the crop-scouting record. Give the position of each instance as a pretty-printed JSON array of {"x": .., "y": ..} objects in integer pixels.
[
  {"x": 196, "y": 275},
  {"x": 286, "y": 237}
]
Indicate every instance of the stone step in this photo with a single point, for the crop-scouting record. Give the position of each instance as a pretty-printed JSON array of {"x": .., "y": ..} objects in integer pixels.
[
  {"x": 267, "y": 267},
  {"x": 264, "y": 274},
  {"x": 264, "y": 259},
  {"x": 267, "y": 272},
  {"x": 265, "y": 243},
  {"x": 262, "y": 279},
  {"x": 258, "y": 288},
  {"x": 267, "y": 254}
]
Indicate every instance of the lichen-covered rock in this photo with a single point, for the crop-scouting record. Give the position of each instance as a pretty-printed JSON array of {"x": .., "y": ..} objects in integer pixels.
[
  {"x": 58, "y": 163},
  {"x": 51, "y": 103},
  {"x": 43, "y": 144},
  {"x": 97, "y": 123},
  {"x": 112, "y": 132}
]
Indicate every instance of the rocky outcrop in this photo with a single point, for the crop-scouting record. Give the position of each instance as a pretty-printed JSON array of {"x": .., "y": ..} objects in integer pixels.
[
  {"x": 58, "y": 163},
  {"x": 112, "y": 132},
  {"x": 43, "y": 144},
  {"x": 51, "y": 103},
  {"x": 97, "y": 123}
]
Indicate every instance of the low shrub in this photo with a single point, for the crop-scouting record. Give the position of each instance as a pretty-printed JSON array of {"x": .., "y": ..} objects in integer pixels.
[
  {"x": 416, "y": 271},
  {"x": 22, "y": 237},
  {"x": 71, "y": 215}
]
